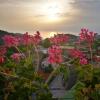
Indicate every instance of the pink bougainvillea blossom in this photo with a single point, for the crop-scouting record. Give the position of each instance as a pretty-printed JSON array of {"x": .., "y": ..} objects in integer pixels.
[
  {"x": 55, "y": 59},
  {"x": 83, "y": 61},
  {"x": 86, "y": 35},
  {"x": 51, "y": 59},
  {"x": 2, "y": 51},
  {"x": 31, "y": 39},
  {"x": 54, "y": 49},
  {"x": 37, "y": 38},
  {"x": 80, "y": 55},
  {"x": 26, "y": 39},
  {"x": 76, "y": 53},
  {"x": 2, "y": 54},
  {"x": 55, "y": 54},
  {"x": 59, "y": 38},
  {"x": 10, "y": 40},
  {"x": 17, "y": 56},
  {"x": 1, "y": 60}
]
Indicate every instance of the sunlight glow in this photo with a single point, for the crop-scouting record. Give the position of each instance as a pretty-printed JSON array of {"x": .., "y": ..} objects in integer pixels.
[
  {"x": 54, "y": 11},
  {"x": 51, "y": 34}
]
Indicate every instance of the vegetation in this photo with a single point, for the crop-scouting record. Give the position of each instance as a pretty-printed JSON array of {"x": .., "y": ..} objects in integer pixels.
[{"x": 20, "y": 61}]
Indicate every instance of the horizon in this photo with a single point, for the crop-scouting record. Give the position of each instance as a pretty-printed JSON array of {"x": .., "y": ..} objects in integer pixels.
[
  {"x": 55, "y": 16},
  {"x": 50, "y": 34}
]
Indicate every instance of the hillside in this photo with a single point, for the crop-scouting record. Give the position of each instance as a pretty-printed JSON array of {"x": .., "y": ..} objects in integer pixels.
[{"x": 2, "y": 33}]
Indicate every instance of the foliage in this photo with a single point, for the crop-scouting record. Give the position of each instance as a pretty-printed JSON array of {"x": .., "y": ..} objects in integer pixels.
[
  {"x": 46, "y": 43},
  {"x": 48, "y": 69},
  {"x": 64, "y": 70},
  {"x": 88, "y": 74},
  {"x": 20, "y": 62},
  {"x": 18, "y": 71}
]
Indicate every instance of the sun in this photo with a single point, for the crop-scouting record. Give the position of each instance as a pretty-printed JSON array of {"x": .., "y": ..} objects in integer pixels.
[
  {"x": 51, "y": 34},
  {"x": 54, "y": 11}
]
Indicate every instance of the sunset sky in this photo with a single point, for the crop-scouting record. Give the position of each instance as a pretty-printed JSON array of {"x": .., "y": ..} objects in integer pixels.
[{"x": 48, "y": 16}]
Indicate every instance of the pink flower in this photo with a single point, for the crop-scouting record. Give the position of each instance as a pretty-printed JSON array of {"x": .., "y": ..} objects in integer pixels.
[
  {"x": 17, "y": 56},
  {"x": 2, "y": 51},
  {"x": 37, "y": 38},
  {"x": 59, "y": 38},
  {"x": 55, "y": 49},
  {"x": 55, "y": 54},
  {"x": 51, "y": 59},
  {"x": 31, "y": 39},
  {"x": 27, "y": 39},
  {"x": 86, "y": 35},
  {"x": 83, "y": 61},
  {"x": 76, "y": 53},
  {"x": 59, "y": 59},
  {"x": 1, "y": 60},
  {"x": 10, "y": 40}
]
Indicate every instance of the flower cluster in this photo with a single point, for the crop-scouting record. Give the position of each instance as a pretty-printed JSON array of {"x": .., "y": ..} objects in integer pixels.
[
  {"x": 26, "y": 39},
  {"x": 10, "y": 40},
  {"x": 76, "y": 53},
  {"x": 31, "y": 39},
  {"x": 59, "y": 38},
  {"x": 2, "y": 53},
  {"x": 86, "y": 35},
  {"x": 83, "y": 61},
  {"x": 54, "y": 51},
  {"x": 2, "y": 50},
  {"x": 37, "y": 38},
  {"x": 17, "y": 56},
  {"x": 55, "y": 54},
  {"x": 80, "y": 55},
  {"x": 1, "y": 60}
]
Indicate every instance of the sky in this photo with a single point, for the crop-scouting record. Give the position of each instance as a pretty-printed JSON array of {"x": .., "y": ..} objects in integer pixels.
[{"x": 49, "y": 16}]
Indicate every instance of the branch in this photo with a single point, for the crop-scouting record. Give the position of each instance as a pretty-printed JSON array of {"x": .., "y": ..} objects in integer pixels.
[{"x": 8, "y": 75}]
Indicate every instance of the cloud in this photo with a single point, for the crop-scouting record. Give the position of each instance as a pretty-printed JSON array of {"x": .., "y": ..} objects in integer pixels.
[
  {"x": 19, "y": 2},
  {"x": 16, "y": 1},
  {"x": 28, "y": 15}
]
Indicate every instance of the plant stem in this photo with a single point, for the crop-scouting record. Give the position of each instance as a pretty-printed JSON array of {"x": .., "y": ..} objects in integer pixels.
[
  {"x": 50, "y": 76},
  {"x": 8, "y": 75},
  {"x": 30, "y": 97},
  {"x": 38, "y": 59},
  {"x": 91, "y": 54},
  {"x": 17, "y": 49},
  {"x": 6, "y": 96}
]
